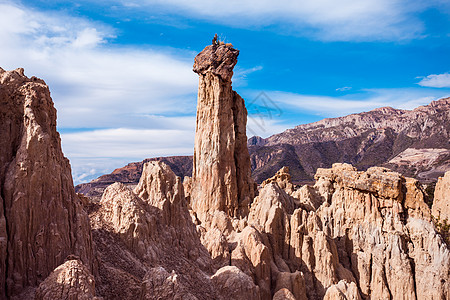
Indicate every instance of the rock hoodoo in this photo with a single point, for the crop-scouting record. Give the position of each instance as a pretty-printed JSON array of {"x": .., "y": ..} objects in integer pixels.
[
  {"x": 221, "y": 172},
  {"x": 41, "y": 218}
]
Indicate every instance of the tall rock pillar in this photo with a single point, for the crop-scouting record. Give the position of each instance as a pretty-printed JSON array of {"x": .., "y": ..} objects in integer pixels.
[{"x": 222, "y": 171}]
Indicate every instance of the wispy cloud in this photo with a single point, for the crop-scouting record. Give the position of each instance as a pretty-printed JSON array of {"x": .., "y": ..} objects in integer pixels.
[
  {"x": 436, "y": 80},
  {"x": 364, "y": 100},
  {"x": 241, "y": 75},
  {"x": 344, "y": 88},
  {"x": 325, "y": 19},
  {"x": 130, "y": 91},
  {"x": 98, "y": 152},
  {"x": 92, "y": 82},
  {"x": 137, "y": 143}
]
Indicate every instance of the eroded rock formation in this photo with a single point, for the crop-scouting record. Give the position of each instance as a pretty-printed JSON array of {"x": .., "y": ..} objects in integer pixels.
[
  {"x": 441, "y": 203},
  {"x": 221, "y": 178},
  {"x": 71, "y": 280},
  {"x": 41, "y": 218},
  {"x": 136, "y": 231},
  {"x": 352, "y": 235}
]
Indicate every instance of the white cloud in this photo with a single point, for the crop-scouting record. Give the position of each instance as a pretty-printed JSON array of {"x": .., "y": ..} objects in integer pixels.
[
  {"x": 324, "y": 19},
  {"x": 97, "y": 85},
  {"x": 436, "y": 80},
  {"x": 365, "y": 100},
  {"x": 99, "y": 152},
  {"x": 88, "y": 37},
  {"x": 344, "y": 88},
  {"x": 92, "y": 82},
  {"x": 241, "y": 74}
]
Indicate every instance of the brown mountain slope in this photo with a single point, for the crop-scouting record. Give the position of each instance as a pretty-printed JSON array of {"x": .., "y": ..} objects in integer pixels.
[{"x": 412, "y": 142}]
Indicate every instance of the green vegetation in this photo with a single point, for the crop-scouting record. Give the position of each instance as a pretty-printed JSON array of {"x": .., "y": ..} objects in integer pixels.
[{"x": 443, "y": 228}]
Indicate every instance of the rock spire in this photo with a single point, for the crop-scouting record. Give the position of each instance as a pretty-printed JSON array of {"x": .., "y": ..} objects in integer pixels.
[{"x": 221, "y": 168}]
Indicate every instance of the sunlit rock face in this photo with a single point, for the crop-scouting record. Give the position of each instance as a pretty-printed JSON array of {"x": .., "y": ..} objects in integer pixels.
[
  {"x": 441, "y": 203},
  {"x": 71, "y": 280},
  {"x": 41, "y": 218},
  {"x": 221, "y": 173}
]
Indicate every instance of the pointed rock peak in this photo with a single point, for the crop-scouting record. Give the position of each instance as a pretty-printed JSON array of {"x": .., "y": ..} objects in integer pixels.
[
  {"x": 157, "y": 179},
  {"x": 218, "y": 59},
  {"x": 282, "y": 175},
  {"x": 160, "y": 187},
  {"x": 68, "y": 281},
  {"x": 20, "y": 71}
]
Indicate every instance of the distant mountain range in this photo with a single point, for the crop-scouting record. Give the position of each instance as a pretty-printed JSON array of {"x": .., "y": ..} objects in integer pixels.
[{"x": 415, "y": 143}]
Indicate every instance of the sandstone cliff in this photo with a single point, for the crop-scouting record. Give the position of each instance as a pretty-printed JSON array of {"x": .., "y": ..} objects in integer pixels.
[
  {"x": 41, "y": 219},
  {"x": 221, "y": 177}
]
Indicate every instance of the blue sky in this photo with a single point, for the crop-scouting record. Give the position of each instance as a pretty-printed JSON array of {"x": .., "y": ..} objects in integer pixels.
[{"x": 120, "y": 71}]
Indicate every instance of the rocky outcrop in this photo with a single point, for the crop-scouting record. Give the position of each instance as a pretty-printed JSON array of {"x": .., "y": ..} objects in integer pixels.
[
  {"x": 283, "y": 180},
  {"x": 71, "y": 280},
  {"x": 232, "y": 283},
  {"x": 342, "y": 291},
  {"x": 146, "y": 240},
  {"x": 41, "y": 218},
  {"x": 160, "y": 284},
  {"x": 441, "y": 203},
  {"x": 380, "y": 225},
  {"x": 283, "y": 294},
  {"x": 221, "y": 178},
  {"x": 365, "y": 235}
]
